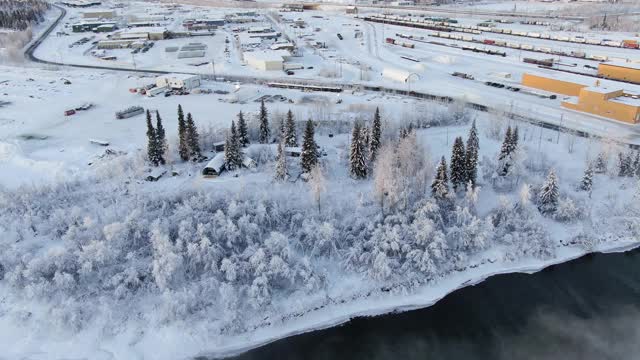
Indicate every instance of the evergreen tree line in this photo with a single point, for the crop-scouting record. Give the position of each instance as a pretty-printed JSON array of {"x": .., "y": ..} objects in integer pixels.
[
  {"x": 188, "y": 139},
  {"x": 365, "y": 144},
  {"x": 18, "y": 15}
]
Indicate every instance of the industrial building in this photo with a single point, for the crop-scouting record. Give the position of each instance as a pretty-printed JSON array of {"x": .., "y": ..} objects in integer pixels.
[
  {"x": 609, "y": 103},
  {"x": 114, "y": 44},
  {"x": 614, "y": 104},
  {"x": 620, "y": 71},
  {"x": 268, "y": 60},
  {"x": 91, "y": 26},
  {"x": 552, "y": 85},
  {"x": 99, "y": 14},
  {"x": 144, "y": 33},
  {"x": 178, "y": 81}
]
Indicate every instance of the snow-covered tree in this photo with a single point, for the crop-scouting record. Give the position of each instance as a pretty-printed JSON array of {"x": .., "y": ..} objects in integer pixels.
[
  {"x": 586, "y": 184},
  {"x": 636, "y": 165},
  {"x": 471, "y": 155},
  {"x": 440, "y": 184},
  {"x": 183, "y": 136},
  {"x": 281, "y": 170},
  {"x": 549, "y": 193},
  {"x": 290, "y": 136},
  {"x": 152, "y": 142},
  {"x": 309, "y": 155},
  {"x": 193, "y": 139},
  {"x": 625, "y": 164},
  {"x": 376, "y": 136},
  {"x": 385, "y": 182},
  {"x": 317, "y": 184},
  {"x": 233, "y": 155},
  {"x": 161, "y": 140},
  {"x": 243, "y": 131},
  {"x": 601, "y": 163},
  {"x": 265, "y": 131},
  {"x": 458, "y": 168},
  {"x": 357, "y": 154},
  {"x": 507, "y": 152}
]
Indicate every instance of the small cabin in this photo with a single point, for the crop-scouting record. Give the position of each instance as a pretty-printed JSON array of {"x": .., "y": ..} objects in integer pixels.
[
  {"x": 219, "y": 146},
  {"x": 293, "y": 151}
]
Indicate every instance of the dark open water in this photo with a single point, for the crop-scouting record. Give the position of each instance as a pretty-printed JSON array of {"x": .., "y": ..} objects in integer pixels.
[{"x": 585, "y": 309}]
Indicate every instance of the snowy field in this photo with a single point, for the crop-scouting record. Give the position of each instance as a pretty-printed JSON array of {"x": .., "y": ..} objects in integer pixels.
[{"x": 107, "y": 255}]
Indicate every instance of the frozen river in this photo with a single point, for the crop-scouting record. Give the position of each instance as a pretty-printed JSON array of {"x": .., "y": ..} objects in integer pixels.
[{"x": 585, "y": 309}]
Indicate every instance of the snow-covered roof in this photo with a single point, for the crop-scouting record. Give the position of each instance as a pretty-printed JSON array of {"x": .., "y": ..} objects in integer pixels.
[
  {"x": 293, "y": 149},
  {"x": 627, "y": 101},
  {"x": 177, "y": 76},
  {"x": 247, "y": 161},
  {"x": 628, "y": 65},
  {"x": 267, "y": 55},
  {"x": 217, "y": 163},
  {"x": 600, "y": 90},
  {"x": 144, "y": 29}
]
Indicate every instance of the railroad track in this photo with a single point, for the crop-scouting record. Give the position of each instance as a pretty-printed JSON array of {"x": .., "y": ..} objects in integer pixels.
[{"x": 29, "y": 53}]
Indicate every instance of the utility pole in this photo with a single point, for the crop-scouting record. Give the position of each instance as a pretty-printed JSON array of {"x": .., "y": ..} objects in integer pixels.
[
  {"x": 213, "y": 69},
  {"x": 561, "y": 120}
]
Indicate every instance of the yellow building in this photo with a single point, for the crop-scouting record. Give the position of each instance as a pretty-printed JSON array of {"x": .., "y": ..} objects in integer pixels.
[
  {"x": 552, "y": 85},
  {"x": 612, "y": 104},
  {"x": 609, "y": 103},
  {"x": 620, "y": 71}
]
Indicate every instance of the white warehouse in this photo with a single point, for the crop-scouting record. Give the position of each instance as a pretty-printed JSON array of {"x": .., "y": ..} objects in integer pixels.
[
  {"x": 266, "y": 60},
  {"x": 178, "y": 81}
]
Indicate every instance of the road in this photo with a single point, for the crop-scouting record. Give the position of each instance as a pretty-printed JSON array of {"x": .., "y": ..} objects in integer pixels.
[{"x": 30, "y": 54}]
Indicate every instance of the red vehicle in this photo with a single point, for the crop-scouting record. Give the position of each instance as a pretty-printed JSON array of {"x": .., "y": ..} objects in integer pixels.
[
  {"x": 133, "y": 90},
  {"x": 630, "y": 45},
  {"x": 489, "y": 42},
  {"x": 69, "y": 112},
  {"x": 391, "y": 41}
]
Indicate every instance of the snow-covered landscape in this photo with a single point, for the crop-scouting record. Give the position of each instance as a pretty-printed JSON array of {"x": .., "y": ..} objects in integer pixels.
[{"x": 198, "y": 179}]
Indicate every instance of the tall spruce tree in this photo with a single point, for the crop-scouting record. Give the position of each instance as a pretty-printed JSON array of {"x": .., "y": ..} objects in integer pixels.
[
  {"x": 264, "y": 124},
  {"x": 193, "y": 139},
  {"x": 458, "y": 168},
  {"x": 161, "y": 140},
  {"x": 243, "y": 132},
  {"x": 309, "y": 155},
  {"x": 636, "y": 164},
  {"x": 238, "y": 154},
  {"x": 282, "y": 172},
  {"x": 440, "y": 184},
  {"x": 183, "y": 143},
  {"x": 357, "y": 155},
  {"x": 471, "y": 155},
  {"x": 290, "y": 136},
  {"x": 505, "y": 150},
  {"x": 376, "y": 136},
  {"x": 152, "y": 142},
  {"x": 601, "y": 163},
  {"x": 515, "y": 139},
  {"x": 233, "y": 155},
  {"x": 586, "y": 184},
  {"x": 229, "y": 153},
  {"x": 549, "y": 193},
  {"x": 623, "y": 165}
]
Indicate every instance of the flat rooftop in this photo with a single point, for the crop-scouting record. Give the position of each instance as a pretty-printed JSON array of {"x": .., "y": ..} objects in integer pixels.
[{"x": 628, "y": 65}]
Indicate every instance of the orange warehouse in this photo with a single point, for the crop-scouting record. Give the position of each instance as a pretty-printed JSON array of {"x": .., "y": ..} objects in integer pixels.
[
  {"x": 620, "y": 71},
  {"x": 552, "y": 85},
  {"x": 612, "y": 104}
]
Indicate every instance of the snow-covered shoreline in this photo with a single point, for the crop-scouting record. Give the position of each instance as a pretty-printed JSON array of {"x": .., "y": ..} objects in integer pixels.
[{"x": 422, "y": 298}]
